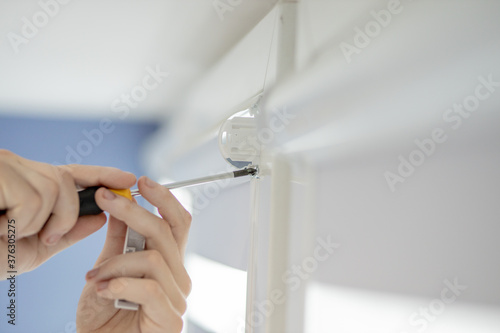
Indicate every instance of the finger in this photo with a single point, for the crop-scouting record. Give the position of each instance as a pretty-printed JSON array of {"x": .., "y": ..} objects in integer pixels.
[
  {"x": 85, "y": 226},
  {"x": 29, "y": 197},
  {"x": 169, "y": 208},
  {"x": 48, "y": 170},
  {"x": 146, "y": 292},
  {"x": 115, "y": 239},
  {"x": 65, "y": 209},
  {"x": 156, "y": 231},
  {"x": 86, "y": 175},
  {"x": 13, "y": 188},
  {"x": 89, "y": 175},
  {"x": 148, "y": 264},
  {"x": 65, "y": 212}
]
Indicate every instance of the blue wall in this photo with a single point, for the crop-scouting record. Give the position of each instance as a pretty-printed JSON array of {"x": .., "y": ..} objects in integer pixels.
[{"x": 48, "y": 296}]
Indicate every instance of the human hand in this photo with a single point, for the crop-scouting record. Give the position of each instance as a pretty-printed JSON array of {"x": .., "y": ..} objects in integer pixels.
[
  {"x": 41, "y": 203},
  {"x": 154, "y": 278}
]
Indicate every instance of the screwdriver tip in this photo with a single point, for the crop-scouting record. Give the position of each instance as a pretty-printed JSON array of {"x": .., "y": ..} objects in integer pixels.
[
  {"x": 253, "y": 170},
  {"x": 248, "y": 171}
]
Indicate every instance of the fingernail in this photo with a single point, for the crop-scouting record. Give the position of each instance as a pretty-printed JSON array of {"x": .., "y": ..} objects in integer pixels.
[
  {"x": 108, "y": 195},
  {"x": 102, "y": 285},
  {"x": 149, "y": 182},
  {"x": 92, "y": 273},
  {"x": 53, "y": 239}
]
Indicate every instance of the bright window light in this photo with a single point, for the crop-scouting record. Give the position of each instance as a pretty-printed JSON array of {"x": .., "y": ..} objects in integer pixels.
[
  {"x": 347, "y": 310},
  {"x": 217, "y": 300}
]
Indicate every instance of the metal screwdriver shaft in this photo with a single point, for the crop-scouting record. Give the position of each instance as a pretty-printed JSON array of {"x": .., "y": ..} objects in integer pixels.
[
  {"x": 88, "y": 204},
  {"x": 250, "y": 171}
]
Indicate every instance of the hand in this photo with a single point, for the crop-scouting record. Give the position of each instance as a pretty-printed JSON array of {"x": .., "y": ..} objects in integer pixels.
[
  {"x": 42, "y": 199},
  {"x": 154, "y": 278}
]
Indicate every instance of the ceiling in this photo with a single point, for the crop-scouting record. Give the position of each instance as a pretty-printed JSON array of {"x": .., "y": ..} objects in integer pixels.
[{"x": 85, "y": 57}]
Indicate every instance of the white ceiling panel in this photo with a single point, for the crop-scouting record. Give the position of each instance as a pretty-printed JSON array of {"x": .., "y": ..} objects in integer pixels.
[{"x": 81, "y": 57}]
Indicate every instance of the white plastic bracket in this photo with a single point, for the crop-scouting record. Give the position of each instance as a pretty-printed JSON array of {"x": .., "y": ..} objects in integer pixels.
[
  {"x": 133, "y": 242},
  {"x": 238, "y": 141}
]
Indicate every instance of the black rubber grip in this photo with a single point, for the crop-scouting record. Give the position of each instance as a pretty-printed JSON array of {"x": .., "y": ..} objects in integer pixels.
[{"x": 88, "y": 206}]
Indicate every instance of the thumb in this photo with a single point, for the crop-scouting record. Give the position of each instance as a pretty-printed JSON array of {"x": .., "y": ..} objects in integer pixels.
[{"x": 115, "y": 239}]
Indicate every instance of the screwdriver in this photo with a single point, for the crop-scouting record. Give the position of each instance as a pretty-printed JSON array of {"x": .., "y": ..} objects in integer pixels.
[{"x": 88, "y": 205}]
